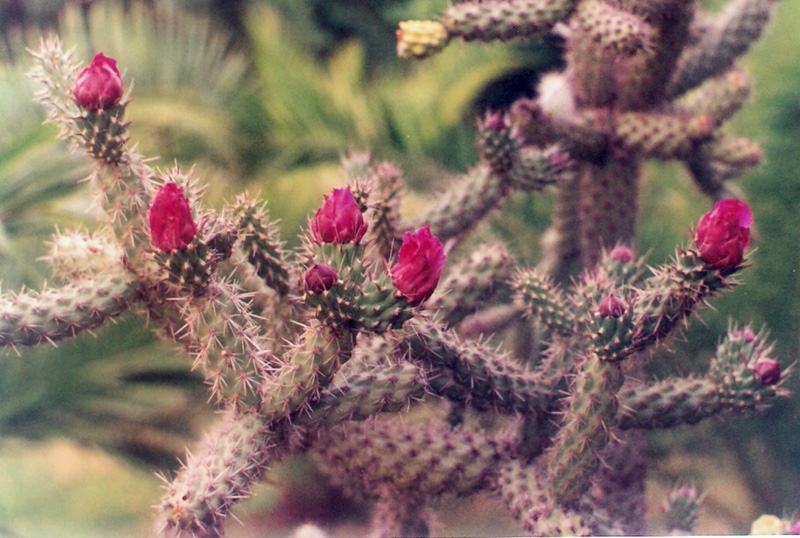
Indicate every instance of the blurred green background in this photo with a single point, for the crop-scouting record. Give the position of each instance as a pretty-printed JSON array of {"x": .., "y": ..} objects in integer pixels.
[{"x": 266, "y": 96}]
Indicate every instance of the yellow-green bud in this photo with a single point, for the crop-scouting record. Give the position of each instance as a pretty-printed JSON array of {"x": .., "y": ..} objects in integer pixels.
[{"x": 419, "y": 39}]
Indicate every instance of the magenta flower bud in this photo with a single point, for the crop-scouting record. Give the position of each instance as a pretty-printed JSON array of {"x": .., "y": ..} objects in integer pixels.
[
  {"x": 767, "y": 371},
  {"x": 611, "y": 307},
  {"x": 723, "y": 234},
  {"x": 621, "y": 254},
  {"x": 339, "y": 220},
  {"x": 495, "y": 121},
  {"x": 99, "y": 86},
  {"x": 560, "y": 161},
  {"x": 171, "y": 224},
  {"x": 420, "y": 261},
  {"x": 320, "y": 277}
]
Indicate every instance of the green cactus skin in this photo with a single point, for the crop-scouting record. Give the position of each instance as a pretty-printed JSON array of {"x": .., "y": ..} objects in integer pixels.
[
  {"x": 104, "y": 133},
  {"x": 470, "y": 372},
  {"x": 427, "y": 461},
  {"x": 234, "y": 456},
  {"x": 718, "y": 98},
  {"x": 524, "y": 490},
  {"x": 260, "y": 242},
  {"x": 661, "y": 136},
  {"x": 730, "y": 36},
  {"x": 591, "y": 411},
  {"x": 671, "y": 295},
  {"x": 539, "y": 298},
  {"x": 504, "y": 19},
  {"x": 471, "y": 282},
  {"x": 29, "y": 318},
  {"x": 682, "y": 510},
  {"x": 611, "y": 28}
]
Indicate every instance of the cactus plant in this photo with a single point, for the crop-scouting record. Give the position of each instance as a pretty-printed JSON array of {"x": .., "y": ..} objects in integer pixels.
[{"x": 319, "y": 349}]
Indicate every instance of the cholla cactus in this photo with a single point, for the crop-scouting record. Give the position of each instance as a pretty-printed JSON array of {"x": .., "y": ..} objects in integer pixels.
[{"x": 314, "y": 349}]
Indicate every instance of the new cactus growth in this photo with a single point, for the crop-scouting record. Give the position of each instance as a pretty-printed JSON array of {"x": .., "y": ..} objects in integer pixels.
[{"x": 328, "y": 347}]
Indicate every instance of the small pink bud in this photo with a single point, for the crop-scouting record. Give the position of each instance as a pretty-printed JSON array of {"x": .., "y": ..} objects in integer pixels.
[
  {"x": 767, "y": 371},
  {"x": 339, "y": 220},
  {"x": 611, "y": 307},
  {"x": 495, "y": 121},
  {"x": 793, "y": 527},
  {"x": 99, "y": 86},
  {"x": 320, "y": 277},
  {"x": 171, "y": 224},
  {"x": 621, "y": 254},
  {"x": 745, "y": 334},
  {"x": 723, "y": 234},
  {"x": 420, "y": 261}
]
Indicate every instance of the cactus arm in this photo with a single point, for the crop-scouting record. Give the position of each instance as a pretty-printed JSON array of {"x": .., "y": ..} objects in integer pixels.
[
  {"x": 471, "y": 282},
  {"x": 29, "y": 318},
  {"x": 425, "y": 461},
  {"x": 729, "y": 37},
  {"x": 470, "y": 372},
  {"x": 260, "y": 243},
  {"x": 718, "y": 98},
  {"x": 590, "y": 412},
  {"x": 523, "y": 488},
  {"x": 504, "y": 19},
  {"x": 232, "y": 457},
  {"x": 122, "y": 177},
  {"x": 539, "y": 298},
  {"x": 671, "y": 295}
]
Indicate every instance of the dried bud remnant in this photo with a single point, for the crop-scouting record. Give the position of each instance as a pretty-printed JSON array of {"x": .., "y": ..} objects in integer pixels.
[
  {"x": 611, "y": 307},
  {"x": 171, "y": 223},
  {"x": 767, "y": 371},
  {"x": 420, "y": 261},
  {"x": 99, "y": 86},
  {"x": 321, "y": 277},
  {"x": 339, "y": 220},
  {"x": 723, "y": 234}
]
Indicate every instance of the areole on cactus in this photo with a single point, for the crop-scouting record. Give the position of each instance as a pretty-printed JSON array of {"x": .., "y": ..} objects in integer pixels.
[{"x": 311, "y": 349}]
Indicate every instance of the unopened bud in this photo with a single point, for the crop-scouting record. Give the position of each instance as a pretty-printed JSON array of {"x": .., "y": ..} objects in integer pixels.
[
  {"x": 611, "y": 307},
  {"x": 767, "y": 371},
  {"x": 320, "y": 277}
]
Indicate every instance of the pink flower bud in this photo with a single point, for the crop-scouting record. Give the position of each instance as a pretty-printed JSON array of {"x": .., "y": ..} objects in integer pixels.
[
  {"x": 420, "y": 260},
  {"x": 621, "y": 254},
  {"x": 723, "y": 234},
  {"x": 745, "y": 334},
  {"x": 339, "y": 220},
  {"x": 611, "y": 307},
  {"x": 495, "y": 121},
  {"x": 767, "y": 371},
  {"x": 99, "y": 86},
  {"x": 171, "y": 224},
  {"x": 320, "y": 277}
]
